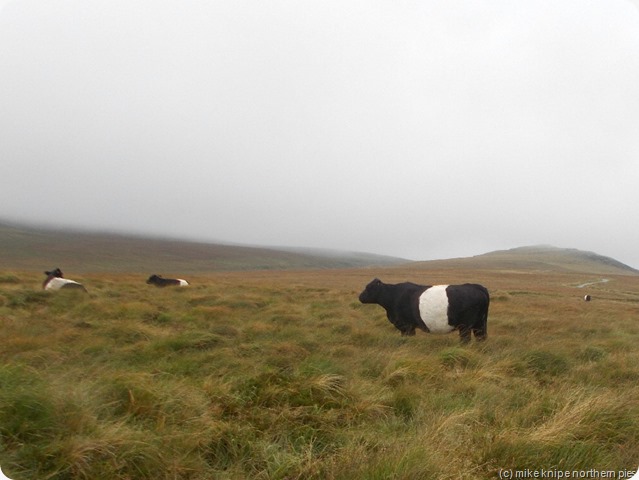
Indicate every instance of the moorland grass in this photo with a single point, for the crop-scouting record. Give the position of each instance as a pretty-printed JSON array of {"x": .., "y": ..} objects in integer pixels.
[{"x": 285, "y": 375}]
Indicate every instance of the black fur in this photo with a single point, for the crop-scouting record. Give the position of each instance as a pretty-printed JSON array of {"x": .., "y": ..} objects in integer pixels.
[{"x": 158, "y": 281}]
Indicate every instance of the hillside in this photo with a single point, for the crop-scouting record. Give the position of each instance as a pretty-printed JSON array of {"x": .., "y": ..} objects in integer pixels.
[
  {"x": 29, "y": 248},
  {"x": 539, "y": 258},
  {"x": 39, "y": 248}
]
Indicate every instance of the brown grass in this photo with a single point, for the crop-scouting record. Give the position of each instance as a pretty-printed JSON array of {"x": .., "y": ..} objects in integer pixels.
[{"x": 285, "y": 375}]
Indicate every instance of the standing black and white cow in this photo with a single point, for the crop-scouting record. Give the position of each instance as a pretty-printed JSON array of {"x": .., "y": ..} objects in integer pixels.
[
  {"x": 55, "y": 281},
  {"x": 158, "y": 281},
  {"x": 435, "y": 309}
]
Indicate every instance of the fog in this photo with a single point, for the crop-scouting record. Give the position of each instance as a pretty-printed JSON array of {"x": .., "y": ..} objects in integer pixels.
[{"x": 417, "y": 129}]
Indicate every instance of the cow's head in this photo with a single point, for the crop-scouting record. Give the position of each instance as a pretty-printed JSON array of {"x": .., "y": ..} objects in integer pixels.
[
  {"x": 153, "y": 279},
  {"x": 371, "y": 292},
  {"x": 54, "y": 273}
]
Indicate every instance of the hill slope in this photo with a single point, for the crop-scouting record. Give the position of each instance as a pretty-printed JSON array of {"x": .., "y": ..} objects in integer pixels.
[
  {"x": 32, "y": 248},
  {"x": 539, "y": 258},
  {"x": 40, "y": 248}
]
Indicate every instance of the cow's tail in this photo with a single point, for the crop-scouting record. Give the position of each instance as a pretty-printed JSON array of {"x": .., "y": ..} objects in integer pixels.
[{"x": 481, "y": 328}]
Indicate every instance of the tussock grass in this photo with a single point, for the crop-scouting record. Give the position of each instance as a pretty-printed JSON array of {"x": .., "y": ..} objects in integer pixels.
[{"x": 284, "y": 375}]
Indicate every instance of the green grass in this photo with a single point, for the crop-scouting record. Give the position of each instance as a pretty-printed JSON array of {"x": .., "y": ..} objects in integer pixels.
[{"x": 285, "y": 375}]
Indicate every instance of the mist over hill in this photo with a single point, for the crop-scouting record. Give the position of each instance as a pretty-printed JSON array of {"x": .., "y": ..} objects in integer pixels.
[
  {"x": 539, "y": 258},
  {"x": 36, "y": 248}
]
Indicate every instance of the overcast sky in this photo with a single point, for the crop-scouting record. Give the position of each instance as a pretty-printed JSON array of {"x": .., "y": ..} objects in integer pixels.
[{"x": 416, "y": 128}]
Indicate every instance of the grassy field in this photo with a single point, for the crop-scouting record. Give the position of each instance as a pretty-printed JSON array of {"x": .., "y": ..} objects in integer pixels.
[{"x": 285, "y": 375}]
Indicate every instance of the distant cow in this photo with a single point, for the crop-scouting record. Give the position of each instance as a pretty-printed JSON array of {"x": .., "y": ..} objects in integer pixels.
[
  {"x": 158, "y": 281},
  {"x": 435, "y": 309},
  {"x": 55, "y": 281},
  {"x": 587, "y": 298}
]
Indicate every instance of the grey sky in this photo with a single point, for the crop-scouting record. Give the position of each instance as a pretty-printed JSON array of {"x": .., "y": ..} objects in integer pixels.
[{"x": 422, "y": 129}]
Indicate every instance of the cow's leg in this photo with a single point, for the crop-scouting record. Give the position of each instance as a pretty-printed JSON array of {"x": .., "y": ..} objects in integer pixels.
[
  {"x": 480, "y": 334},
  {"x": 464, "y": 334},
  {"x": 408, "y": 332},
  {"x": 480, "y": 329}
]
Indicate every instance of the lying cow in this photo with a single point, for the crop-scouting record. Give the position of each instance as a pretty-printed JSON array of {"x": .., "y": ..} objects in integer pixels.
[
  {"x": 435, "y": 309},
  {"x": 158, "y": 281},
  {"x": 55, "y": 281}
]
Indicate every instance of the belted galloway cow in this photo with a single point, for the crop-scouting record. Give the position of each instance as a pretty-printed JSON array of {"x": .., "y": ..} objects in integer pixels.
[
  {"x": 435, "y": 309},
  {"x": 159, "y": 281},
  {"x": 55, "y": 281}
]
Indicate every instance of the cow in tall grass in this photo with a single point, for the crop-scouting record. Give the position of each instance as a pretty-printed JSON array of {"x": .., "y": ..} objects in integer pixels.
[
  {"x": 435, "y": 309},
  {"x": 55, "y": 281},
  {"x": 158, "y": 281}
]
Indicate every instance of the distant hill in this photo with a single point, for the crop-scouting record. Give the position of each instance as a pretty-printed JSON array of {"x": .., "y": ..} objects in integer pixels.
[
  {"x": 538, "y": 258},
  {"x": 30, "y": 248}
]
